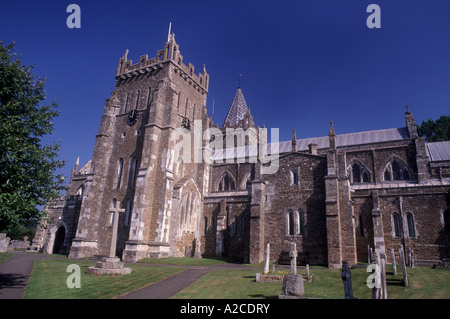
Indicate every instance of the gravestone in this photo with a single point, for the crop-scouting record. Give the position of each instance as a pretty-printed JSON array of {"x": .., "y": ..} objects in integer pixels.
[
  {"x": 293, "y": 255},
  {"x": 347, "y": 279},
  {"x": 403, "y": 264},
  {"x": 394, "y": 265},
  {"x": 376, "y": 289},
  {"x": 411, "y": 258},
  {"x": 266, "y": 266},
  {"x": 4, "y": 242},
  {"x": 19, "y": 244},
  {"x": 382, "y": 259},
  {"x": 111, "y": 265},
  {"x": 292, "y": 284}
]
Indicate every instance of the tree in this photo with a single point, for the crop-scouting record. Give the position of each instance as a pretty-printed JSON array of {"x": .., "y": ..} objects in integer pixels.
[
  {"x": 435, "y": 131},
  {"x": 27, "y": 166}
]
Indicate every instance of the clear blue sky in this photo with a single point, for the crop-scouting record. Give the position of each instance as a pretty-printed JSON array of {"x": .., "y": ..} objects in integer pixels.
[{"x": 303, "y": 63}]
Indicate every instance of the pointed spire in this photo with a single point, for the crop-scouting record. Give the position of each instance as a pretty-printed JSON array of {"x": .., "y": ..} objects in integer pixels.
[
  {"x": 238, "y": 109},
  {"x": 332, "y": 132},
  {"x": 77, "y": 163},
  {"x": 294, "y": 141}
]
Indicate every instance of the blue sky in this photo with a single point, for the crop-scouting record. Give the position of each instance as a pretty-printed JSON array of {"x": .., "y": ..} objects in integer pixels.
[{"x": 303, "y": 63}]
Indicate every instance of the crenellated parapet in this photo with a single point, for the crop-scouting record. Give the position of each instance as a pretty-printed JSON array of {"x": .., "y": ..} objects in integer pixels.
[{"x": 170, "y": 54}]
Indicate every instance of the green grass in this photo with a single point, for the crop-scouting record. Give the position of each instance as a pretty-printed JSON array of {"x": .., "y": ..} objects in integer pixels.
[
  {"x": 190, "y": 261},
  {"x": 49, "y": 276},
  {"x": 4, "y": 257},
  {"x": 423, "y": 283}
]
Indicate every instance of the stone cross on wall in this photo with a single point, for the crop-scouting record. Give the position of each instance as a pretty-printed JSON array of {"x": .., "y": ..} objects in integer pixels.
[
  {"x": 115, "y": 210},
  {"x": 293, "y": 256}
]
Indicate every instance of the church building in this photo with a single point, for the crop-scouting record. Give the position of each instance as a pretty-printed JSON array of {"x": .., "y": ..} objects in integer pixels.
[{"x": 186, "y": 186}]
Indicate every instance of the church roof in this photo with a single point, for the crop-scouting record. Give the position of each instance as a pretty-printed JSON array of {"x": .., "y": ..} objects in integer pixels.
[
  {"x": 237, "y": 110},
  {"x": 342, "y": 140},
  {"x": 438, "y": 151}
]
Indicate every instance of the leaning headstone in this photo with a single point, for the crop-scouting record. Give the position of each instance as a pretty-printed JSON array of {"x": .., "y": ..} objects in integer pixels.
[
  {"x": 394, "y": 265},
  {"x": 403, "y": 263},
  {"x": 347, "y": 279},
  {"x": 266, "y": 266},
  {"x": 273, "y": 268},
  {"x": 382, "y": 259},
  {"x": 372, "y": 257},
  {"x": 376, "y": 288},
  {"x": 4, "y": 242}
]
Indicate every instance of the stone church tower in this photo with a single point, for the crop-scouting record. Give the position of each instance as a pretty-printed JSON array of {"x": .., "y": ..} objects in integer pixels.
[{"x": 133, "y": 169}]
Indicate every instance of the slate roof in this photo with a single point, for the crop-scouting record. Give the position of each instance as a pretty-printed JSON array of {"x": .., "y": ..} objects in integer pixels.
[
  {"x": 342, "y": 140},
  {"x": 438, "y": 151},
  {"x": 358, "y": 138},
  {"x": 237, "y": 110}
]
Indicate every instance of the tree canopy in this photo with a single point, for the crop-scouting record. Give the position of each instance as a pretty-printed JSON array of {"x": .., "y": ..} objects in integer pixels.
[
  {"x": 435, "y": 131},
  {"x": 27, "y": 166}
]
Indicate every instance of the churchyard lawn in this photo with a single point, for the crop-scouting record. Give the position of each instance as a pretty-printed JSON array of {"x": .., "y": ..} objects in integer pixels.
[
  {"x": 48, "y": 281},
  {"x": 424, "y": 283}
]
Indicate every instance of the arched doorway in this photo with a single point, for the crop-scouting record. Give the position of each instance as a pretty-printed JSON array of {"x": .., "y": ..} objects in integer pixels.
[{"x": 59, "y": 240}]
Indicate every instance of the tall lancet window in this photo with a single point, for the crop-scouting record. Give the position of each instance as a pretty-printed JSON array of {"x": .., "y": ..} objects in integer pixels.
[
  {"x": 132, "y": 173},
  {"x": 119, "y": 172}
]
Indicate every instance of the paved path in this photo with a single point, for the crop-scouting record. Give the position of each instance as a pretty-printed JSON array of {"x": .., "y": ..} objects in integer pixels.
[
  {"x": 15, "y": 272},
  {"x": 168, "y": 287}
]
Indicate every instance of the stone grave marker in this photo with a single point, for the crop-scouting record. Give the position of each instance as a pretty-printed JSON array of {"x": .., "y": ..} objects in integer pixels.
[
  {"x": 347, "y": 280},
  {"x": 382, "y": 260},
  {"x": 266, "y": 266},
  {"x": 4, "y": 242},
  {"x": 111, "y": 265},
  {"x": 394, "y": 265},
  {"x": 293, "y": 287},
  {"x": 403, "y": 264}
]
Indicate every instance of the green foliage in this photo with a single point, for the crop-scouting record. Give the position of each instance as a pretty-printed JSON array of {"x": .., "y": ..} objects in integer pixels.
[
  {"x": 435, "y": 131},
  {"x": 27, "y": 167}
]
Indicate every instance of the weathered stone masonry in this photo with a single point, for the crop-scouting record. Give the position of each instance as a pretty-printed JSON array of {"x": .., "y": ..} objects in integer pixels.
[{"x": 332, "y": 195}]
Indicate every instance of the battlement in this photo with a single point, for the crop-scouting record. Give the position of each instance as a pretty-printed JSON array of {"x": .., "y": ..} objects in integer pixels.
[{"x": 170, "y": 53}]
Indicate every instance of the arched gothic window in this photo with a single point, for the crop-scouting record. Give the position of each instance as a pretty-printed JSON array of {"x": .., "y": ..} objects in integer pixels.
[
  {"x": 358, "y": 173},
  {"x": 411, "y": 226},
  {"x": 295, "y": 222},
  {"x": 395, "y": 170},
  {"x": 447, "y": 221},
  {"x": 119, "y": 172},
  {"x": 132, "y": 173},
  {"x": 397, "y": 229},
  {"x": 361, "y": 226},
  {"x": 226, "y": 183}
]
